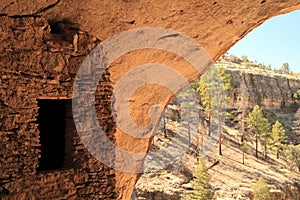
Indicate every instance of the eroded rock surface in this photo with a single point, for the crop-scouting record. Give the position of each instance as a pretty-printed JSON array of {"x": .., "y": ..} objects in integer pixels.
[{"x": 36, "y": 63}]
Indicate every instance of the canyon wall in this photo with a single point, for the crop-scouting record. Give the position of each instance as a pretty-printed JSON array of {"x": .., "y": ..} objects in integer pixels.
[
  {"x": 267, "y": 89},
  {"x": 42, "y": 46}
]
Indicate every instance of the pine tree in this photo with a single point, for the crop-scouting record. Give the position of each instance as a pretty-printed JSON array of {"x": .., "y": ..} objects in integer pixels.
[
  {"x": 258, "y": 125},
  {"x": 244, "y": 147},
  {"x": 269, "y": 68},
  {"x": 189, "y": 104},
  {"x": 261, "y": 66},
  {"x": 265, "y": 135},
  {"x": 285, "y": 68},
  {"x": 261, "y": 190},
  {"x": 279, "y": 139},
  {"x": 205, "y": 100},
  {"x": 296, "y": 124},
  {"x": 164, "y": 125},
  {"x": 242, "y": 107},
  {"x": 296, "y": 96},
  {"x": 212, "y": 87},
  {"x": 201, "y": 186},
  {"x": 292, "y": 155},
  {"x": 245, "y": 58}
]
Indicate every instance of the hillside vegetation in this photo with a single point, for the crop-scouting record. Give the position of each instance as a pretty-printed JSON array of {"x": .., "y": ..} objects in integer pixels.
[{"x": 249, "y": 155}]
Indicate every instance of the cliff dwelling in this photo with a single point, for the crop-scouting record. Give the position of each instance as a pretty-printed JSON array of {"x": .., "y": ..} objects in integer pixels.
[{"x": 42, "y": 47}]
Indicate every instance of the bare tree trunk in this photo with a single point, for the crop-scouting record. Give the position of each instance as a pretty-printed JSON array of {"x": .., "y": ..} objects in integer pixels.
[
  {"x": 189, "y": 132},
  {"x": 243, "y": 107},
  {"x": 266, "y": 156},
  {"x": 256, "y": 146},
  {"x": 243, "y": 134},
  {"x": 243, "y": 125},
  {"x": 220, "y": 134},
  {"x": 209, "y": 123},
  {"x": 165, "y": 131}
]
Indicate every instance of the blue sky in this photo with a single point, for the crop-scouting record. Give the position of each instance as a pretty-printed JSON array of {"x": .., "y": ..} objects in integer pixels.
[{"x": 275, "y": 41}]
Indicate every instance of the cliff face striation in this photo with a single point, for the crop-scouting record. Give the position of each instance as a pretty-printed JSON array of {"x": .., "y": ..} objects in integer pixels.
[
  {"x": 269, "y": 90},
  {"x": 273, "y": 92}
]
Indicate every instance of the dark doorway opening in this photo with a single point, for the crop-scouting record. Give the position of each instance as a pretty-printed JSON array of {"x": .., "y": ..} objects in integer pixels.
[{"x": 52, "y": 127}]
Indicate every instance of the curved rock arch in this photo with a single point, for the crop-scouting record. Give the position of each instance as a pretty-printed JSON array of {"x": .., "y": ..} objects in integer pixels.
[{"x": 215, "y": 25}]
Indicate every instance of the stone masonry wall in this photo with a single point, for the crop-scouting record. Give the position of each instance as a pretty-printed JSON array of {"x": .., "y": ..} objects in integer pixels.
[{"x": 41, "y": 61}]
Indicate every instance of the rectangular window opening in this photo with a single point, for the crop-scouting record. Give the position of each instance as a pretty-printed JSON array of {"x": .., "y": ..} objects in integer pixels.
[{"x": 54, "y": 119}]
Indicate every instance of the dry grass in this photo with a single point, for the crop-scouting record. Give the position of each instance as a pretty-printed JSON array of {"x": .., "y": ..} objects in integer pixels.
[{"x": 230, "y": 177}]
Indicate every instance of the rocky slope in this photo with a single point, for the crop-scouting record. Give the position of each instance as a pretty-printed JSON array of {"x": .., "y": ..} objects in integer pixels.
[{"x": 230, "y": 178}]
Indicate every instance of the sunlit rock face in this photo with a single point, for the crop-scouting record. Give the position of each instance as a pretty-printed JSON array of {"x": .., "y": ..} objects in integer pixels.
[
  {"x": 77, "y": 26},
  {"x": 267, "y": 89}
]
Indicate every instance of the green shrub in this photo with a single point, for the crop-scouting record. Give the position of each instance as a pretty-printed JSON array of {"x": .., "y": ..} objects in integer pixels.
[
  {"x": 202, "y": 188},
  {"x": 261, "y": 190}
]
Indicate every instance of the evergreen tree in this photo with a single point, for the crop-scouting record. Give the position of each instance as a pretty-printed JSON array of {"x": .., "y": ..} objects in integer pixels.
[
  {"x": 279, "y": 139},
  {"x": 244, "y": 147},
  {"x": 164, "y": 124},
  {"x": 201, "y": 186},
  {"x": 242, "y": 107},
  {"x": 261, "y": 190},
  {"x": 245, "y": 58},
  {"x": 205, "y": 100},
  {"x": 292, "y": 156},
  {"x": 285, "y": 68},
  {"x": 257, "y": 123},
  {"x": 265, "y": 135},
  {"x": 296, "y": 123},
  {"x": 189, "y": 107},
  {"x": 296, "y": 96},
  {"x": 212, "y": 87},
  {"x": 269, "y": 68},
  {"x": 261, "y": 66}
]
